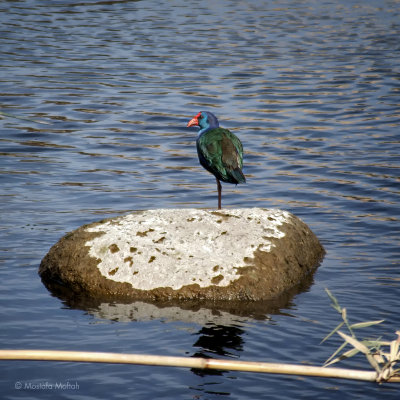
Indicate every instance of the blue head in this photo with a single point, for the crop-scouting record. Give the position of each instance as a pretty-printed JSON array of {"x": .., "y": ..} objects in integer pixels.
[{"x": 206, "y": 120}]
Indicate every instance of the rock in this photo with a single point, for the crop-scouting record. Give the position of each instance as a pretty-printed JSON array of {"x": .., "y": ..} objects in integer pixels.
[{"x": 234, "y": 254}]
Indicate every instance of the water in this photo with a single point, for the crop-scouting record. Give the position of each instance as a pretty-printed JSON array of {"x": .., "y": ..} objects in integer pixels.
[{"x": 313, "y": 91}]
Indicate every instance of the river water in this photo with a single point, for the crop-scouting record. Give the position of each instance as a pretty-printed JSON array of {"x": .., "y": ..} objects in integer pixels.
[{"x": 312, "y": 88}]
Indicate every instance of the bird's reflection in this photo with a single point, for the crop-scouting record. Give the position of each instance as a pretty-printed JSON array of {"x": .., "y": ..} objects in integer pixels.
[{"x": 217, "y": 341}]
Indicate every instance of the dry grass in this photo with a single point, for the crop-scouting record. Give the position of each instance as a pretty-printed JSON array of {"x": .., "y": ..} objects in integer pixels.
[{"x": 381, "y": 355}]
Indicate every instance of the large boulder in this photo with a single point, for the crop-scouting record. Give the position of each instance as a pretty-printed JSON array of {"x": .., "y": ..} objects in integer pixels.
[{"x": 176, "y": 254}]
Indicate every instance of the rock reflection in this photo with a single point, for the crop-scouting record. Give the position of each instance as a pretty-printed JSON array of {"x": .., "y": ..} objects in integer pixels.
[{"x": 200, "y": 312}]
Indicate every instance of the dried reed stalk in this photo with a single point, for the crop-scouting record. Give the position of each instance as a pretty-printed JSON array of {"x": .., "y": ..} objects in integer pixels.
[{"x": 187, "y": 362}]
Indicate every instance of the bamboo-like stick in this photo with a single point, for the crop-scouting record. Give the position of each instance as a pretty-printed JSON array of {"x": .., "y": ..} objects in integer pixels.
[{"x": 190, "y": 362}]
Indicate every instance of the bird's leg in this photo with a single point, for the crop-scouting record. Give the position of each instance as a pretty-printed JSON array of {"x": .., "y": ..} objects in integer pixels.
[{"x": 219, "y": 193}]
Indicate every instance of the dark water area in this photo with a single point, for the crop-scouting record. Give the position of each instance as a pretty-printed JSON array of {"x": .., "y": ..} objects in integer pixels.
[{"x": 312, "y": 88}]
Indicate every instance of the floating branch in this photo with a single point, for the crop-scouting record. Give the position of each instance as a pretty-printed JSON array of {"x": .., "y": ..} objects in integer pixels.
[{"x": 188, "y": 362}]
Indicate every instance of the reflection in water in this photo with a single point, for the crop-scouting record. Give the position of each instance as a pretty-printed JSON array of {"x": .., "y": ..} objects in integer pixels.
[
  {"x": 222, "y": 324},
  {"x": 227, "y": 313},
  {"x": 217, "y": 341}
]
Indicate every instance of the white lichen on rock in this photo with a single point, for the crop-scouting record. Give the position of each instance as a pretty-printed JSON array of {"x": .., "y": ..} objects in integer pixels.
[{"x": 176, "y": 248}]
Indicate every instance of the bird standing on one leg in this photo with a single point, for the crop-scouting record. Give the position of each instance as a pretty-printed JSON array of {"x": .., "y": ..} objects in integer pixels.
[{"x": 220, "y": 151}]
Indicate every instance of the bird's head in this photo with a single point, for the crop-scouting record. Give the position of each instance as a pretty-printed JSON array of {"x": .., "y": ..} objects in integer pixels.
[{"x": 205, "y": 120}]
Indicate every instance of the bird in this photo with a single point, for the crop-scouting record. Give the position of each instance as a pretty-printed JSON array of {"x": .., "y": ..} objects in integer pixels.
[{"x": 220, "y": 151}]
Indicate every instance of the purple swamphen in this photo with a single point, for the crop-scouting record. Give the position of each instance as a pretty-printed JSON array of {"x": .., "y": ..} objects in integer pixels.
[{"x": 220, "y": 151}]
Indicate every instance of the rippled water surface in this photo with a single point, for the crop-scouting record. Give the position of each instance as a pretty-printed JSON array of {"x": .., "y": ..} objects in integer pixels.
[{"x": 312, "y": 88}]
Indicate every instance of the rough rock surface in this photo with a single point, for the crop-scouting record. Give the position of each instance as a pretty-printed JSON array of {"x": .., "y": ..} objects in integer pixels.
[{"x": 234, "y": 254}]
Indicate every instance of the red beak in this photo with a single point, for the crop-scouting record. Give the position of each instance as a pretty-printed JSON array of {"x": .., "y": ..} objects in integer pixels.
[{"x": 193, "y": 122}]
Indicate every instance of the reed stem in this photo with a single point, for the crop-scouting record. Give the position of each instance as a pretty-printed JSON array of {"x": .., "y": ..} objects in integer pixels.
[{"x": 190, "y": 362}]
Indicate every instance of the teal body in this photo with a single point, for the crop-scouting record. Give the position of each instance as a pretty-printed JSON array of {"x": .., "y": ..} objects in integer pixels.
[{"x": 221, "y": 153}]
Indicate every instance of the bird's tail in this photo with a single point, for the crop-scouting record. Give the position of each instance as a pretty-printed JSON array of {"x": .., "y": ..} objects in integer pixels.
[{"x": 237, "y": 174}]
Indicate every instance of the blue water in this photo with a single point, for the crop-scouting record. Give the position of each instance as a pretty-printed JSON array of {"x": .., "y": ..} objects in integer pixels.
[{"x": 312, "y": 88}]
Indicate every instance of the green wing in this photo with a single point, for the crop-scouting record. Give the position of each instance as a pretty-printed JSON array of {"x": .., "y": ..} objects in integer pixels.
[{"x": 223, "y": 154}]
